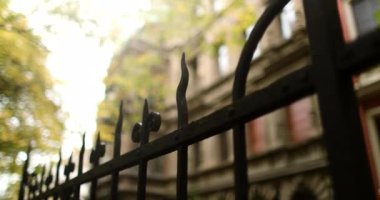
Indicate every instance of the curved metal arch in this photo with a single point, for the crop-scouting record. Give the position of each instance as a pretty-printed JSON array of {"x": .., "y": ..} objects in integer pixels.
[
  {"x": 242, "y": 69},
  {"x": 238, "y": 92}
]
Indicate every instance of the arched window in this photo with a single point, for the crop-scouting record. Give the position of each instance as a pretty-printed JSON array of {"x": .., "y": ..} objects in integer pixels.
[{"x": 365, "y": 12}]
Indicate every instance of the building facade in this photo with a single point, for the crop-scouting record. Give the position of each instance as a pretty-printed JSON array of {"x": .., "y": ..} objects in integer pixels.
[{"x": 286, "y": 153}]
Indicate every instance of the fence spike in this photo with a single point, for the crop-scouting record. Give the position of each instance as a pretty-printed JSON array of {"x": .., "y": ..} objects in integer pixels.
[
  {"x": 116, "y": 152},
  {"x": 24, "y": 178},
  {"x": 98, "y": 152},
  {"x": 182, "y": 155},
  {"x": 80, "y": 165},
  {"x": 69, "y": 167},
  {"x": 57, "y": 169},
  {"x": 33, "y": 184},
  {"x": 49, "y": 177},
  {"x": 42, "y": 177},
  {"x": 57, "y": 172},
  {"x": 151, "y": 121},
  {"x": 95, "y": 156},
  {"x": 81, "y": 154}
]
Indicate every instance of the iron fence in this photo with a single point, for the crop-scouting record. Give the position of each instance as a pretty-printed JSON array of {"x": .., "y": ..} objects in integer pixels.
[{"x": 329, "y": 76}]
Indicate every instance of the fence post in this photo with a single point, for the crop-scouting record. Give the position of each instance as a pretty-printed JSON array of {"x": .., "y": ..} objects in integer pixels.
[{"x": 348, "y": 162}]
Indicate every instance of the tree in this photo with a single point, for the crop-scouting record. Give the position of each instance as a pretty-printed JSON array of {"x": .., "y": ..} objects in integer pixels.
[
  {"x": 134, "y": 74},
  {"x": 139, "y": 70},
  {"x": 28, "y": 112}
]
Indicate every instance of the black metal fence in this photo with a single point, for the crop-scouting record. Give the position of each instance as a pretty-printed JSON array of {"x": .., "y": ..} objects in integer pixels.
[{"x": 329, "y": 76}]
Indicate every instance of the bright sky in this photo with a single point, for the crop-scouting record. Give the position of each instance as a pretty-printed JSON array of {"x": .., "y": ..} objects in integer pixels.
[{"x": 80, "y": 62}]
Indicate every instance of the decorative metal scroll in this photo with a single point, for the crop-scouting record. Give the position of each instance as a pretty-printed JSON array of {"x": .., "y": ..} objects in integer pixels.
[{"x": 151, "y": 121}]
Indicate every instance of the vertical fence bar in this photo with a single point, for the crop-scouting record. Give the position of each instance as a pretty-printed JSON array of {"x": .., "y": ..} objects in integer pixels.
[
  {"x": 49, "y": 178},
  {"x": 141, "y": 184},
  {"x": 29, "y": 192},
  {"x": 69, "y": 168},
  {"x": 80, "y": 165},
  {"x": 24, "y": 178},
  {"x": 57, "y": 173},
  {"x": 116, "y": 152},
  {"x": 182, "y": 121},
  {"x": 348, "y": 162},
  {"x": 42, "y": 177},
  {"x": 33, "y": 184},
  {"x": 238, "y": 92},
  {"x": 95, "y": 156},
  {"x": 151, "y": 121}
]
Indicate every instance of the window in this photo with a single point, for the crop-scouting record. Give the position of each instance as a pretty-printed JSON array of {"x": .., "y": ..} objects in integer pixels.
[
  {"x": 373, "y": 121},
  {"x": 257, "y": 135},
  {"x": 269, "y": 132},
  {"x": 300, "y": 119},
  {"x": 288, "y": 20},
  {"x": 364, "y": 12},
  {"x": 223, "y": 59}
]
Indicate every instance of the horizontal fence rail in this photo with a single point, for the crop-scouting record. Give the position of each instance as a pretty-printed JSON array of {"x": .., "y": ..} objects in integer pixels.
[
  {"x": 352, "y": 58},
  {"x": 296, "y": 85}
]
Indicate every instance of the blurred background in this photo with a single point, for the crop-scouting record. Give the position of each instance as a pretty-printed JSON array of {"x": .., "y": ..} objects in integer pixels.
[
  {"x": 54, "y": 57},
  {"x": 65, "y": 65}
]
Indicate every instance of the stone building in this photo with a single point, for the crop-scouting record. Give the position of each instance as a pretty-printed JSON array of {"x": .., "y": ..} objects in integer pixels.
[{"x": 286, "y": 154}]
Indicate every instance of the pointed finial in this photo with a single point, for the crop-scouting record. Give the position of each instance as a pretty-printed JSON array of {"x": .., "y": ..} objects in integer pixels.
[
  {"x": 181, "y": 94},
  {"x": 118, "y": 128},
  {"x": 98, "y": 151},
  {"x": 69, "y": 167},
  {"x": 58, "y": 166},
  {"x": 151, "y": 121},
  {"x": 49, "y": 178},
  {"x": 42, "y": 178}
]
